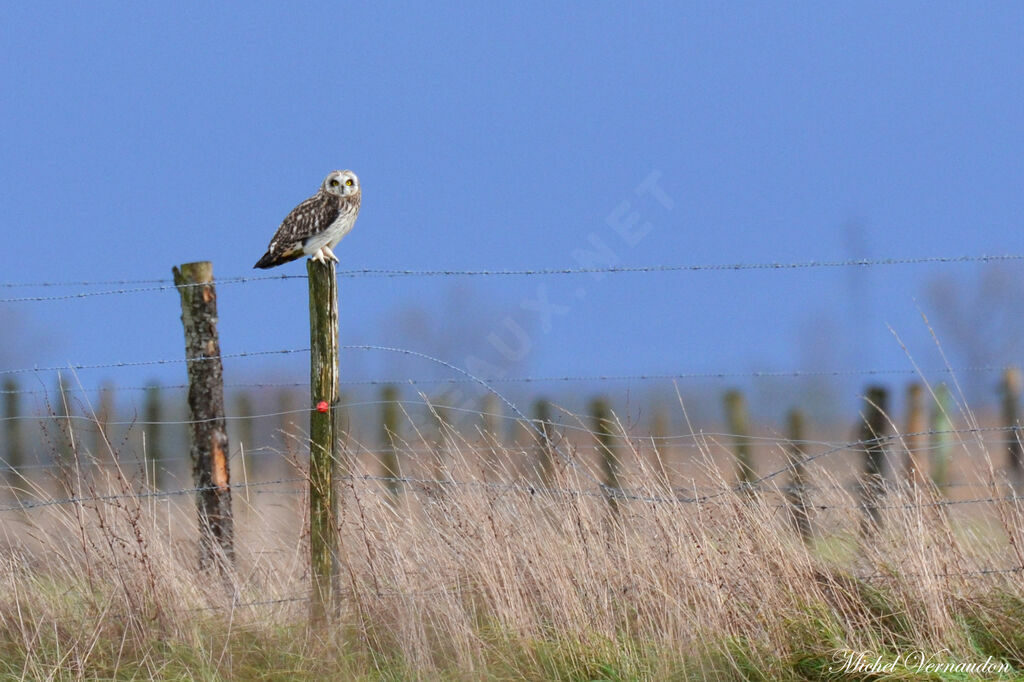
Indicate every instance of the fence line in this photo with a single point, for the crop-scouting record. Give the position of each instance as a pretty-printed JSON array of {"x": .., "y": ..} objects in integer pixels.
[
  {"x": 168, "y": 284},
  {"x": 782, "y": 374},
  {"x": 139, "y": 290},
  {"x": 166, "y": 361},
  {"x": 167, "y": 281}
]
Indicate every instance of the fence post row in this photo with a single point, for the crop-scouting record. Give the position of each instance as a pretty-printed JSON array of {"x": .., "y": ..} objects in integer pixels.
[
  {"x": 152, "y": 411},
  {"x": 65, "y": 436},
  {"x": 601, "y": 417},
  {"x": 915, "y": 439},
  {"x": 208, "y": 436},
  {"x": 1011, "y": 387},
  {"x": 872, "y": 432},
  {"x": 12, "y": 428},
  {"x": 941, "y": 445},
  {"x": 545, "y": 447},
  {"x": 798, "y": 487},
  {"x": 739, "y": 427},
  {"x": 389, "y": 467},
  {"x": 104, "y": 414}
]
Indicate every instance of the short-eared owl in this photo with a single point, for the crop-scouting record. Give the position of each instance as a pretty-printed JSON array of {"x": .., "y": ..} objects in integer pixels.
[{"x": 315, "y": 226}]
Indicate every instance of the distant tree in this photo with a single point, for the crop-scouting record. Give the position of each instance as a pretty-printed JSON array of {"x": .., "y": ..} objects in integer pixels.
[{"x": 980, "y": 322}]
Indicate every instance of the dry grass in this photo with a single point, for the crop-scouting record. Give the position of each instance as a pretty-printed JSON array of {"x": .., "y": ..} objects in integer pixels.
[{"x": 497, "y": 578}]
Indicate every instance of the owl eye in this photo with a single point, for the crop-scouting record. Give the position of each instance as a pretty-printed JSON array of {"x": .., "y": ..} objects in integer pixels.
[
  {"x": 334, "y": 182},
  {"x": 349, "y": 183}
]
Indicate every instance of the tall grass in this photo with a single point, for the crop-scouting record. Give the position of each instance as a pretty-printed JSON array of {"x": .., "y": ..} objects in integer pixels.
[{"x": 493, "y": 576}]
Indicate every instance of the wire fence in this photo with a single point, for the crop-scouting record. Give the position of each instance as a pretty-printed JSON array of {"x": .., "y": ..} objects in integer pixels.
[
  {"x": 435, "y": 381},
  {"x": 721, "y": 495},
  {"x": 761, "y": 490},
  {"x": 164, "y": 284}
]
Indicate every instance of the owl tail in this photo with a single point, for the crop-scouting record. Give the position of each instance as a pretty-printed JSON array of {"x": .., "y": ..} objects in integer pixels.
[{"x": 271, "y": 259}]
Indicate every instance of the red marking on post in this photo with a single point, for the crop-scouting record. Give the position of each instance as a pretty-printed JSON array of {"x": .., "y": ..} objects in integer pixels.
[{"x": 322, "y": 406}]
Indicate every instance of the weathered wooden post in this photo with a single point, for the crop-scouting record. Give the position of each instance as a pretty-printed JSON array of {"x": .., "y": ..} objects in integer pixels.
[
  {"x": 872, "y": 433},
  {"x": 739, "y": 426},
  {"x": 152, "y": 412},
  {"x": 915, "y": 440},
  {"x": 14, "y": 455},
  {"x": 942, "y": 436},
  {"x": 62, "y": 411},
  {"x": 659, "y": 433},
  {"x": 491, "y": 423},
  {"x": 798, "y": 486},
  {"x": 603, "y": 425},
  {"x": 104, "y": 414},
  {"x": 442, "y": 422},
  {"x": 1011, "y": 387},
  {"x": 207, "y": 428},
  {"x": 323, "y": 442},
  {"x": 389, "y": 467},
  {"x": 545, "y": 446}
]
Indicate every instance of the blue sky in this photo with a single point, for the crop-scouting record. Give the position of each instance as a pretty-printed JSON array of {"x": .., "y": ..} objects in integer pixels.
[{"x": 489, "y": 135}]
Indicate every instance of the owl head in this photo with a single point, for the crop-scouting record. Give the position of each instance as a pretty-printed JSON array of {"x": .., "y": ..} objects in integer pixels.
[{"x": 341, "y": 183}]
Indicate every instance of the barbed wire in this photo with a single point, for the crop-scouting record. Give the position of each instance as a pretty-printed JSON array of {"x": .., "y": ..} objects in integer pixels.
[
  {"x": 138, "y": 290},
  {"x": 774, "y": 374},
  {"x": 167, "y": 284},
  {"x": 424, "y": 381},
  {"x": 146, "y": 494},
  {"x": 142, "y": 363}
]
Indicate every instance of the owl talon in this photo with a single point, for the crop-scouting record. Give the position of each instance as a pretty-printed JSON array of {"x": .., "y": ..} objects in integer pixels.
[
  {"x": 319, "y": 256},
  {"x": 330, "y": 254}
]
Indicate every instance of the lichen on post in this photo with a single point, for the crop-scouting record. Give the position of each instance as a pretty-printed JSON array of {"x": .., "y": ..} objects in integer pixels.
[
  {"x": 323, "y": 440},
  {"x": 207, "y": 427}
]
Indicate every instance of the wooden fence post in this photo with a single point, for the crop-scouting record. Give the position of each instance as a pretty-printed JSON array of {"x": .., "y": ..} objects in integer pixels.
[
  {"x": 603, "y": 425},
  {"x": 1011, "y": 388},
  {"x": 442, "y": 418},
  {"x": 152, "y": 412},
  {"x": 323, "y": 443},
  {"x": 492, "y": 424},
  {"x": 545, "y": 447},
  {"x": 103, "y": 445},
  {"x": 389, "y": 467},
  {"x": 942, "y": 438},
  {"x": 62, "y": 411},
  {"x": 914, "y": 435},
  {"x": 798, "y": 486},
  {"x": 208, "y": 436},
  {"x": 739, "y": 427},
  {"x": 13, "y": 453},
  {"x": 659, "y": 435},
  {"x": 874, "y": 427}
]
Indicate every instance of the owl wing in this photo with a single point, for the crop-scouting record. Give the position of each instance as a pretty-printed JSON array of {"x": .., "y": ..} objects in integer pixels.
[{"x": 311, "y": 217}]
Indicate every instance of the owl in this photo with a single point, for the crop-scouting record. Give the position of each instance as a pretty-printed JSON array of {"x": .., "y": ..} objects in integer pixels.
[{"x": 315, "y": 226}]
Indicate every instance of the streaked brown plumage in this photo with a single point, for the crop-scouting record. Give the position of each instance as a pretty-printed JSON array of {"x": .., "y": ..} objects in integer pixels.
[{"x": 314, "y": 227}]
